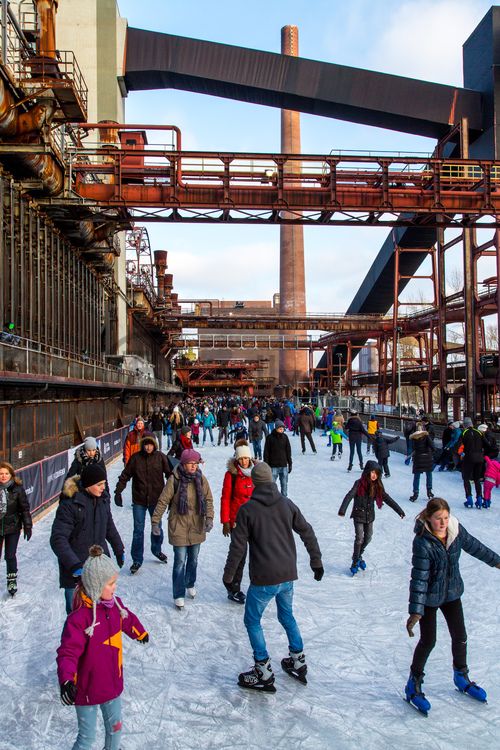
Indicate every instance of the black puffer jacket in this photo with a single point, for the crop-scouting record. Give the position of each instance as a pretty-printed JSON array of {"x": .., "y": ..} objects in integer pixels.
[
  {"x": 81, "y": 459},
  {"x": 81, "y": 521},
  {"x": 423, "y": 452},
  {"x": 473, "y": 443},
  {"x": 355, "y": 429},
  {"x": 277, "y": 450},
  {"x": 364, "y": 506},
  {"x": 490, "y": 444},
  {"x": 435, "y": 573},
  {"x": 18, "y": 514},
  {"x": 149, "y": 472}
]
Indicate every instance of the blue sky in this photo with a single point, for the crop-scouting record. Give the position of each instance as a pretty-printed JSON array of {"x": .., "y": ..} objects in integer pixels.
[{"x": 418, "y": 38}]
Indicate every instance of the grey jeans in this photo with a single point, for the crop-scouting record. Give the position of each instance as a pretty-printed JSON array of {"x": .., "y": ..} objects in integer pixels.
[{"x": 363, "y": 536}]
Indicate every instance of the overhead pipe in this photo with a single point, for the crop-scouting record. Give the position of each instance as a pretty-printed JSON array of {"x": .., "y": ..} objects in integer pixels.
[
  {"x": 160, "y": 261},
  {"x": 46, "y": 40}
]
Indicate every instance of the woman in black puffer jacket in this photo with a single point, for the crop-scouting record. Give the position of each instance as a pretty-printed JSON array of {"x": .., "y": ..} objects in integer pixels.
[
  {"x": 14, "y": 516},
  {"x": 435, "y": 584},
  {"x": 423, "y": 460}
]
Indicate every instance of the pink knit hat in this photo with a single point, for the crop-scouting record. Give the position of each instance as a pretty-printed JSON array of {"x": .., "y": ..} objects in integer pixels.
[{"x": 189, "y": 455}]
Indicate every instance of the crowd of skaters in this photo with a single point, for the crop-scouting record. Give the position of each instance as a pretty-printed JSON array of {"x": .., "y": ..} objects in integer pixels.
[{"x": 165, "y": 469}]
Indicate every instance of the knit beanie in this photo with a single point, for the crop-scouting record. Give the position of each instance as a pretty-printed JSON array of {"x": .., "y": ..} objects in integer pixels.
[
  {"x": 92, "y": 474},
  {"x": 243, "y": 451},
  {"x": 261, "y": 473},
  {"x": 467, "y": 422},
  {"x": 278, "y": 423},
  {"x": 189, "y": 455},
  {"x": 483, "y": 428},
  {"x": 90, "y": 444},
  {"x": 97, "y": 571}
]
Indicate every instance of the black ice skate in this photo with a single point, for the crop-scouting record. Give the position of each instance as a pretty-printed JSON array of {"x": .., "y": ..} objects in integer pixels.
[
  {"x": 260, "y": 677},
  {"x": 12, "y": 583},
  {"x": 295, "y": 665}
]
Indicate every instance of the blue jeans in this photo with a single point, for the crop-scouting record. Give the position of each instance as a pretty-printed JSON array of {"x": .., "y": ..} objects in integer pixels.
[
  {"x": 257, "y": 448},
  {"x": 205, "y": 434},
  {"x": 281, "y": 472},
  {"x": 258, "y": 597},
  {"x": 184, "y": 569},
  {"x": 87, "y": 720},
  {"x": 416, "y": 480},
  {"x": 355, "y": 445},
  {"x": 137, "y": 550},
  {"x": 68, "y": 598}
]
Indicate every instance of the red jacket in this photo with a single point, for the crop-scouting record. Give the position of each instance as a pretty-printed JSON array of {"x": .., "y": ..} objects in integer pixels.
[{"x": 236, "y": 490}]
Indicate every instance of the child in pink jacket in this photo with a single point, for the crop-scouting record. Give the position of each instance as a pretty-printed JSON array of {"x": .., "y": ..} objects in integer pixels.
[
  {"x": 491, "y": 479},
  {"x": 89, "y": 659}
]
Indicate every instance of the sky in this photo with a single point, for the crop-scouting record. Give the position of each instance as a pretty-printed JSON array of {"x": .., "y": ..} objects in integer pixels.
[{"x": 418, "y": 38}]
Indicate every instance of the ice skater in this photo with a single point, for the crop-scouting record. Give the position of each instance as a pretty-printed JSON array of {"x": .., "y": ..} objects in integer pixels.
[
  {"x": 491, "y": 479},
  {"x": 365, "y": 492},
  {"x": 336, "y": 435},
  {"x": 266, "y": 523},
  {"x": 435, "y": 584},
  {"x": 89, "y": 659}
]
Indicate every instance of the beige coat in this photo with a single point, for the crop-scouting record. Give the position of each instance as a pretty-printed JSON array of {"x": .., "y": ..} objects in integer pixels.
[{"x": 183, "y": 531}]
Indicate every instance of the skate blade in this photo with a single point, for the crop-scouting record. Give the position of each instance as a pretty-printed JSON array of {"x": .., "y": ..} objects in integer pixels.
[
  {"x": 464, "y": 692},
  {"x": 258, "y": 688},
  {"x": 418, "y": 710},
  {"x": 299, "y": 677}
]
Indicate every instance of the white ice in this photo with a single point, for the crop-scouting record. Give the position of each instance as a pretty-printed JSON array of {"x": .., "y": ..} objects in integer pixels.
[{"x": 181, "y": 690}]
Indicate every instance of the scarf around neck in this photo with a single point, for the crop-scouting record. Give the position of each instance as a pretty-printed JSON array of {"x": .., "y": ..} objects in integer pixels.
[
  {"x": 184, "y": 480},
  {"x": 4, "y": 498}
]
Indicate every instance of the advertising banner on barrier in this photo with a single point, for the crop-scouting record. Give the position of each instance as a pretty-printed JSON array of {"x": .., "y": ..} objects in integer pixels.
[
  {"x": 31, "y": 477},
  {"x": 106, "y": 446},
  {"x": 54, "y": 469}
]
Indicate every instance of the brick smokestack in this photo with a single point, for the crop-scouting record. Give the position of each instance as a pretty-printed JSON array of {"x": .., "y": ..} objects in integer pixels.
[{"x": 293, "y": 364}]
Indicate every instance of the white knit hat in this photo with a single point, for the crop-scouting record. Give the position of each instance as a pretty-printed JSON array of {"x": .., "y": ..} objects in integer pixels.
[
  {"x": 483, "y": 428},
  {"x": 97, "y": 571},
  {"x": 242, "y": 451}
]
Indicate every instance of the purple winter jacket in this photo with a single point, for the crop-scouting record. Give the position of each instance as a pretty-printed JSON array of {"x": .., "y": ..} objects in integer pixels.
[{"x": 95, "y": 663}]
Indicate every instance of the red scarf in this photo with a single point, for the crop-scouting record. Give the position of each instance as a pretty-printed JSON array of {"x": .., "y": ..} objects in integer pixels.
[{"x": 364, "y": 490}]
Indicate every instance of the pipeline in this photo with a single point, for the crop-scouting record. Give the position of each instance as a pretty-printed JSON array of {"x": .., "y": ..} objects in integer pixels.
[{"x": 26, "y": 127}]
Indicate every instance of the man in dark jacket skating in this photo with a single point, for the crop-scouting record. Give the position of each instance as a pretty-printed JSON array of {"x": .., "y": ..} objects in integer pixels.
[
  {"x": 266, "y": 523},
  {"x": 355, "y": 430},
  {"x": 278, "y": 454},
  {"x": 149, "y": 470},
  {"x": 83, "y": 518},
  {"x": 473, "y": 444}
]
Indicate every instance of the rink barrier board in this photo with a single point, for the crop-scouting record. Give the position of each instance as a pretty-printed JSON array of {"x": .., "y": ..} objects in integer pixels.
[{"x": 43, "y": 480}]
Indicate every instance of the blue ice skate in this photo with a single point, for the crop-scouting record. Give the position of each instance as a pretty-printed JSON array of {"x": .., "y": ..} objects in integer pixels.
[
  {"x": 415, "y": 696},
  {"x": 464, "y": 685},
  {"x": 354, "y": 568},
  {"x": 468, "y": 503},
  {"x": 361, "y": 564},
  {"x": 479, "y": 502}
]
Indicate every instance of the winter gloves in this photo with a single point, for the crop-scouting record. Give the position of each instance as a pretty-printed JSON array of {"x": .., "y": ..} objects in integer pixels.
[
  {"x": 318, "y": 573},
  {"x": 290, "y": 468},
  {"x": 120, "y": 559},
  {"x": 401, "y": 515},
  {"x": 155, "y": 529},
  {"x": 118, "y": 499},
  {"x": 27, "y": 533},
  {"x": 209, "y": 524},
  {"x": 226, "y": 528},
  {"x": 68, "y": 693},
  {"x": 411, "y": 622},
  {"x": 77, "y": 573},
  {"x": 144, "y": 640}
]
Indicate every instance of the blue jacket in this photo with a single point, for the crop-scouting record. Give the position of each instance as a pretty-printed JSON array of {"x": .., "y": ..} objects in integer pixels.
[{"x": 435, "y": 574}]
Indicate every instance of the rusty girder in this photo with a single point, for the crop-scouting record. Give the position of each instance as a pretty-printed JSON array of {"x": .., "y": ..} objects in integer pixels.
[{"x": 203, "y": 186}]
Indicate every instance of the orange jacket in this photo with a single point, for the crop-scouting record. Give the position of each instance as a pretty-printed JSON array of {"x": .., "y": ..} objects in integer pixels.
[{"x": 131, "y": 445}]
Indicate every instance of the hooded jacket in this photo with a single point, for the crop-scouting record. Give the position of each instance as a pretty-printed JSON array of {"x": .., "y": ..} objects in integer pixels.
[
  {"x": 95, "y": 663},
  {"x": 364, "y": 506},
  {"x": 277, "y": 450},
  {"x": 132, "y": 444},
  {"x": 381, "y": 445},
  {"x": 17, "y": 515},
  {"x": 435, "y": 573},
  {"x": 266, "y": 523},
  {"x": 188, "y": 529},
  {"x": 423, "y": 451},
  {"x": 81, "y": 521},
  {"x": 492, "y": 471},
  {"x": 148, "y": 471},
  {"x": 236, "y": 490}
]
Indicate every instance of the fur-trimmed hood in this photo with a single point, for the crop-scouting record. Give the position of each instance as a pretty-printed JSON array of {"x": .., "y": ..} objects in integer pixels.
[
  {"x": 148, "y": 437},
  {"x": 71, "y": 487},
  {"x": 418, "y": 435}
]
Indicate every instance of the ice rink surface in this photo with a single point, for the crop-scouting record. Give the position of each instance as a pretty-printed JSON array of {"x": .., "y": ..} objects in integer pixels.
[{"x": 181, "y": 689}]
